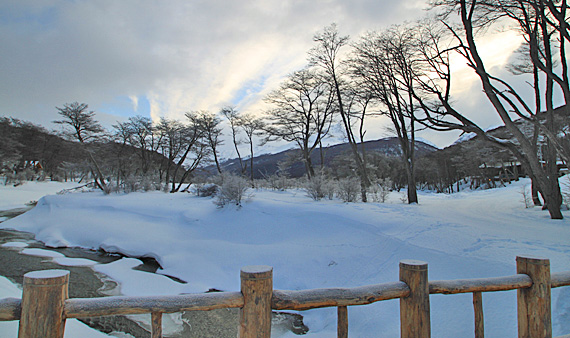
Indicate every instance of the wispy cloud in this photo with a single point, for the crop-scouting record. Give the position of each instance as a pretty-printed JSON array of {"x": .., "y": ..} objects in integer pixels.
[{"x": 178, "y": 55}]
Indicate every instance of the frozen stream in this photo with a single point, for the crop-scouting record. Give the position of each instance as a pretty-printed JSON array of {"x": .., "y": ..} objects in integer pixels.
[{"x": 26, "y": 254}]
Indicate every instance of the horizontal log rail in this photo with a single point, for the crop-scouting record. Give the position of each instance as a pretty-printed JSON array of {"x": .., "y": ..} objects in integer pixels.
[
  {"x": 480, "y": 284},
  {"x": 119, "y": 305},
  {"x": 10, "y": 309},
  {"x": 319, "y": 298},
  {"x": 559, "y": 279},
  {"x": 412, "y": 285}
]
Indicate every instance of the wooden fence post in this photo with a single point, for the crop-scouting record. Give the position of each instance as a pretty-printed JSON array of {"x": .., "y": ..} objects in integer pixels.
[
  {"x": 342, "y": 322},
  {"x": 414, "y": 309},
  {"x": 257, "y": 290},
  {"x": 156, "y": 325},
  {"x": 479, "y": 318},
  {"x": 43, "y": 301},
  {"x": 533, "y": 303}
]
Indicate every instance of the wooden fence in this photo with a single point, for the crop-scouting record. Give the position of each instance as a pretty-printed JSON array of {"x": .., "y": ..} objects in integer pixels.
[{"x": 45, "y": 306}]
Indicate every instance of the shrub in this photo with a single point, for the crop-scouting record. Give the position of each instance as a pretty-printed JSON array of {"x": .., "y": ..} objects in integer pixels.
[
  {"x": 329, "y": 189},
  {"x": 276, "y": 182},
  {"x": 348, "y": 189},
  {"x": 316, "y": 187},
  {"x": 207, "y": 190},
  {"x": 404, "y": 197},
  {"x": 526, "y": 197},
  {"x": 381, "y": 190},
  {"x": 232, "y": 190}
]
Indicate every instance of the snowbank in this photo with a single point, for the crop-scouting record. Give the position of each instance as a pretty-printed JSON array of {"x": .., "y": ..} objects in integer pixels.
[
  {"x": 16, "y": 197},
  {"x": 318, "y": 244}
]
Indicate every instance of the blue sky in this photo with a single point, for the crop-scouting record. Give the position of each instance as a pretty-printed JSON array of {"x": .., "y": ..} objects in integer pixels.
[{"x": 164, "y": 58}]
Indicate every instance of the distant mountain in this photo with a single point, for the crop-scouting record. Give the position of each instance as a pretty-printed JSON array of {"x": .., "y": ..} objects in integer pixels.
[
  {"x": 267, "y": 164},
  {"x": 470, "y": 145}
]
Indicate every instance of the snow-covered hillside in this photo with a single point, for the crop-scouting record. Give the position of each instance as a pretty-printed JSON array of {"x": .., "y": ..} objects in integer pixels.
[{"x": 319, "y": 244}]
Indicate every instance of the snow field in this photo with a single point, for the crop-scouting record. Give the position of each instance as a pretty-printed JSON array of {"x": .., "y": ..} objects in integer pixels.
[{"x": 322, "y": 244}]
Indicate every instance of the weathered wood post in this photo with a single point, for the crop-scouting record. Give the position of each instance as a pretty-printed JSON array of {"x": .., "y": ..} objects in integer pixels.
[
  {"x": 479, "y": 318},
  {"x": 414, "y": 309},
  {"x": 342, "y": 322},
  {"x": 257, "y": 290},
  {"x": 43, "y": 301},
  {"x": 156, "y": 325},
  {"x": 533, "y": 303}
]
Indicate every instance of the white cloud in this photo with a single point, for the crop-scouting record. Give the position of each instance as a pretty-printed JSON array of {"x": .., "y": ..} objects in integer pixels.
[
  {"x": 135, "y": 102},
  {"x": 178, "y": 55}
]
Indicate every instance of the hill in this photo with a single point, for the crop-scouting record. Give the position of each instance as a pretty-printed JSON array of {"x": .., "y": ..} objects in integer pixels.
[
  {"x": 32, "y": 152},
  {"x": 269, "y": 164}
]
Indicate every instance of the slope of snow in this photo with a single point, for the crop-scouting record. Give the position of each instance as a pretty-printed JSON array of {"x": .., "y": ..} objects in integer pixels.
[
  {"x": 16, "y": 197},
  {"x": 318, "y": 244}
]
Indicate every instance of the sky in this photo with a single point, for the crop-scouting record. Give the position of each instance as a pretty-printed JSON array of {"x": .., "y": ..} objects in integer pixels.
[{"x": 165, "y": 58}]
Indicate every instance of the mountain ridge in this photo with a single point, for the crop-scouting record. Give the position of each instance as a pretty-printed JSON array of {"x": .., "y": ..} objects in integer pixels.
[{"x": 269, "y": 164}]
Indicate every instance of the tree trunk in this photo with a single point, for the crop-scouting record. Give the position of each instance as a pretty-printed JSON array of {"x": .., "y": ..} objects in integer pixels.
[
  {"x": 309, "y": 168},
  {"x": 251, "y": 160},
  {"x": 217, "y": 162},
  {"x": 412, "y": 191},
  {"x": 534, "y": 192},
  {"x": 545, "y": 183}
]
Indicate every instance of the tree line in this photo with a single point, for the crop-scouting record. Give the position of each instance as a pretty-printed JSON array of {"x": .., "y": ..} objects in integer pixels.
[{"x": 403, "y": 72}]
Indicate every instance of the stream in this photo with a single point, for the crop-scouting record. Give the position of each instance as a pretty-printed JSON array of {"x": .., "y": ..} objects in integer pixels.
[{"x": 85, "y": 282}]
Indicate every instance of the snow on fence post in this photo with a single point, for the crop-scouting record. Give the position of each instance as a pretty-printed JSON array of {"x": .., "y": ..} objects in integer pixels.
[
  {"x": 257, "y": 290},
  {"x": 43, "y": 301},
  {"x": 414, "y": 309},
  {"x": 533, "y": 303}
]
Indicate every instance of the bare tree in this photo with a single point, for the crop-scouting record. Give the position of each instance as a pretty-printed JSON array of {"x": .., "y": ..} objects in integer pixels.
[
  {"x": 252, "y": 126},
  {"x": 326, "y": 55},
  {"x": 183, "y": 145},
  {"x": 142, "y": 135},
  {"x": 385, "y": 64},
  {"x": 302, "y": 113},
  {"x": 84, "y": 128},
  {"x": 210, "y": 125},
  {"x": 537, "y": 22},
  {"x": 233, "y": 118}
]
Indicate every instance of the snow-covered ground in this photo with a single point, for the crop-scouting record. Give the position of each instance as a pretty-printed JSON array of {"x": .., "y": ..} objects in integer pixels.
[
  {"x": 17, "y": 197},
  {"x": 318, "y": 244}
]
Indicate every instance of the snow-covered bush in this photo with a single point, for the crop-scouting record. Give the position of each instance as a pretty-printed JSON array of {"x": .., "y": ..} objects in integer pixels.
[
  {"x": 404, "y": 197},
  {"x": 20, "y": 177},
  {"x": 319, "y": 187},
  {"x": 9, "y": 178},
  {"x": 147, "y": 183},
  {"x": 275, "y": 182},
  {"x": 206, "y": 190},
  {"x": 232, "y": 190},
  {"x": 380, "y": 190},
  {"x": 526, "y": 197},
  {"x": 329, "y": 189},
  {"x": 348, "y": 189},
  {"x": 130, "y": 184}
]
